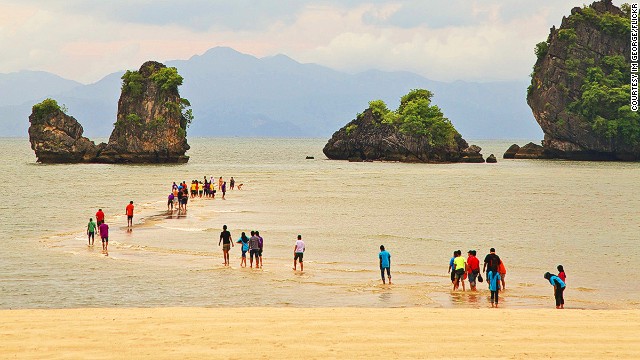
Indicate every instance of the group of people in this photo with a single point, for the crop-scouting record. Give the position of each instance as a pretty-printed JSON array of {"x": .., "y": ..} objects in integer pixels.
[
  {"x": 180, "y": 193},
  {"x": 101, "y": 227},
  {"x": 462, "y": 269},
  {"x": 254, "y": 246}
]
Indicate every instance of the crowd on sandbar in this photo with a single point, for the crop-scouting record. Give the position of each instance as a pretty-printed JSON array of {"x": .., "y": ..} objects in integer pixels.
[
  {"x": 181, "y": 193},
  {"x": 460, "y": 268}
]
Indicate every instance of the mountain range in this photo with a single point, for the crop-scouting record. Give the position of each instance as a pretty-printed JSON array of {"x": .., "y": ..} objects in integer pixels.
[{"x": 235, "y": 94}]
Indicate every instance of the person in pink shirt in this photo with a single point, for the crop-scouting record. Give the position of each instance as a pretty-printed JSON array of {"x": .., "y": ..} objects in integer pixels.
[{"x": 104, "y": 235}]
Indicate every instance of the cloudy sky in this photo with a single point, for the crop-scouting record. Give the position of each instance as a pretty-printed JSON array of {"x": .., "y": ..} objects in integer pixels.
[{"x": 448, "y": 40}]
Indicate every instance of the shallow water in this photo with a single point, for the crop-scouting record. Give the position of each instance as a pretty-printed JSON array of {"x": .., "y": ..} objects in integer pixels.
[{"x": 536, "y": 213}]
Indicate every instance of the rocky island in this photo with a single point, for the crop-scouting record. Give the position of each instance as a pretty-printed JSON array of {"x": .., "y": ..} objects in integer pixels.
[
  {"x": 150, "y": 126},
  {"x": 580, "y": 90},
  {"x": 416, "y": 132}
]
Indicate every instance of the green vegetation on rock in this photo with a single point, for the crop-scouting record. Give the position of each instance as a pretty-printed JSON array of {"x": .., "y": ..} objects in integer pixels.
[
  {"x": 541, "y": 49},
  {"x": 416, "y": 116},
  {"x": 134, "y": 119},
  {"x": 567, "y": 35},
  {"x": 167, "y": 78},
  {"x": 607, "y": 22},
  {"x": 604, "y": 101},
  {"x": 132, "y": 83},
  {"x": 47, "y": 107},
  {"x": 187, "y": 114}
]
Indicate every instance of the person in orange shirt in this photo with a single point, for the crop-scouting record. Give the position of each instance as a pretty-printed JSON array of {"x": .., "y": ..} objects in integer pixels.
[
  {"x": 129, "y": 210},
  {"x": 503, "y": 272}
]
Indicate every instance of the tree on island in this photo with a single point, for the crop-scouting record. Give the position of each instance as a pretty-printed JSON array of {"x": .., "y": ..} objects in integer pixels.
[{"x": 417, "y": 116}]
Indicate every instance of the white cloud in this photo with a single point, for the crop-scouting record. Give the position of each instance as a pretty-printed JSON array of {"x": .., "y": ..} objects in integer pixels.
[{"x": 458, "y": 39}]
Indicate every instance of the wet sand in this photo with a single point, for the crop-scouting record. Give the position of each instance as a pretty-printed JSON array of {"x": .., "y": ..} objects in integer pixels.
[{"x": 318, "y": 333}]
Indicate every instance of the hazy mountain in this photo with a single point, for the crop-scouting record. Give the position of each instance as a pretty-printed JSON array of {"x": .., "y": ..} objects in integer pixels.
[
  {"x": 18, "y": 87},
  {"x": 234, "y": 94}
]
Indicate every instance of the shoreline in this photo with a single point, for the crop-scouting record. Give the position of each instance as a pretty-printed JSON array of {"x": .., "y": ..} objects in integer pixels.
[{"x": 310, "y": 333}]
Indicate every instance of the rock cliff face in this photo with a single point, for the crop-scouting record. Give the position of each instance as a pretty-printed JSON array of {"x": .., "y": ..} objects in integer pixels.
[
  {"x": 367, "y": 138},
  {"x": 591, "y": 49},
  {"x": 150, "y": 127}
]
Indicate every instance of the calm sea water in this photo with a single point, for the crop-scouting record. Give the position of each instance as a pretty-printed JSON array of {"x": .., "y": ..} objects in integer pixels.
[{"x": 537, "y": 214}]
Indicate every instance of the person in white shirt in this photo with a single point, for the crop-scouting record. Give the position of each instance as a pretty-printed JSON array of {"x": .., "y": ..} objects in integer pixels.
[{"x": 298, "y": 252}]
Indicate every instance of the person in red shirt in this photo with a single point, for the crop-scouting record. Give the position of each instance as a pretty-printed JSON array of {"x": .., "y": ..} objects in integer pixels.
[
  {"x": 561, "y": 274},
  {"x": 99, "y": 219},
  {"x": 129, "y": 210},
  {"x": 473, "y": 268}
]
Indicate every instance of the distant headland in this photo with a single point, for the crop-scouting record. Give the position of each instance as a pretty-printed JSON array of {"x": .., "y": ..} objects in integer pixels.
[{"x": 580, "y": 91}]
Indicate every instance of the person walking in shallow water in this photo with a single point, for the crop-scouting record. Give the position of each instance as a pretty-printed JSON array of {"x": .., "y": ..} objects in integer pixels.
[
  {"x": 91, "y": 231},
  {"x": 493, "y": 278},
  {"x": 452, "y": 269},
  {"x": 385, "y": 263},
  {"x": 473, "y": 269},
  {"x": 460, "y": 269},
  {"x": 104, "y": 235},
  {"x": 491, "y": 261},
  {"x": 224, "y": 189},
  {"x": 254, "y": 249},
  {"x": 225, "y": 239},
  {"x": 244, "y": 241},
  {"x": 298, "y": 253},
  {"x": 129, "y": 211},
  {"x": 99, "y": 219},
  {"x": 261, "y": 244}
]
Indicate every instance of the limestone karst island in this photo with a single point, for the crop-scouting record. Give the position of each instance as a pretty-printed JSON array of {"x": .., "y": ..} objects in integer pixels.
[
  {"x": 416, "y": 132},
  {"x": 151, "y": 124}
]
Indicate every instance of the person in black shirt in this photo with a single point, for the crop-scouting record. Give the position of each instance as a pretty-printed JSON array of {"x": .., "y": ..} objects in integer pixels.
[
  {"x": 491, "y": 261},
  {"x": 225, "y": 239}
]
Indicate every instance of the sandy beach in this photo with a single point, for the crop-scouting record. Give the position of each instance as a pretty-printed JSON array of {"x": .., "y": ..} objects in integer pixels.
[{"x": 318, "y": 333}]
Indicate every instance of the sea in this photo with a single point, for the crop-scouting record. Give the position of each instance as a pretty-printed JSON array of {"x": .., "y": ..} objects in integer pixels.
[{"x": 537, "y": 214}]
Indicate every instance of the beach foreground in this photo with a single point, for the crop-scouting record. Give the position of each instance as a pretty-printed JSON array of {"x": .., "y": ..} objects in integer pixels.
[{"x": 318, "y": 333}]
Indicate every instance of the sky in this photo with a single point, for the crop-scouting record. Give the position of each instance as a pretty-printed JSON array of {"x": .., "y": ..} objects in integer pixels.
[{"x": 472, "y": 40}]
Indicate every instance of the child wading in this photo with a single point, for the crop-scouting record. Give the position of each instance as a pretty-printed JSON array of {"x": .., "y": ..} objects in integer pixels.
[{"x": 561, "y": 274}]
